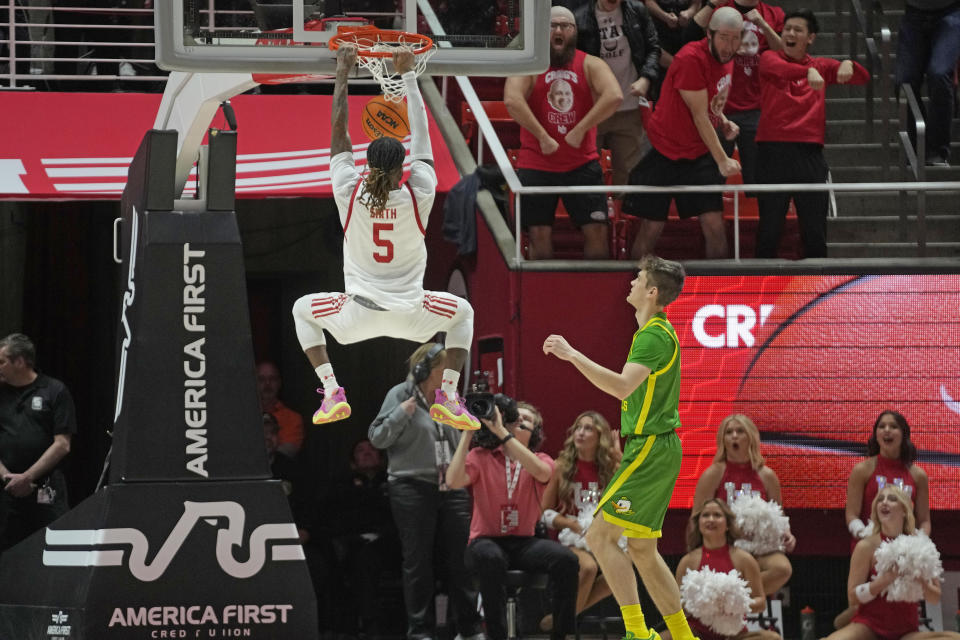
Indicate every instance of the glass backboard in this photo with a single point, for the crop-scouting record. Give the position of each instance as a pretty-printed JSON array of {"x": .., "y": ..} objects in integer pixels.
[{"x": 472, "y": 37}]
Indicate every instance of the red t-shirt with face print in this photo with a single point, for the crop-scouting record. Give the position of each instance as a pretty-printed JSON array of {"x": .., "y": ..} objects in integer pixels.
[
  {"x": 560, "y": 98},
  {"x": 671, "y": 128}
]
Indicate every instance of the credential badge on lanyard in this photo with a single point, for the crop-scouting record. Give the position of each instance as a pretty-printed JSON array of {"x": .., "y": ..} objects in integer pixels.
[{"x": 509, "y": 513}]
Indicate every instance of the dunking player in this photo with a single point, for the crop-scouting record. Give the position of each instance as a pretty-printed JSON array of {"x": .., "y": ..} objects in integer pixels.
[
  {"x": 635, "y": 501},
  {"x": 384, "y": 256}
]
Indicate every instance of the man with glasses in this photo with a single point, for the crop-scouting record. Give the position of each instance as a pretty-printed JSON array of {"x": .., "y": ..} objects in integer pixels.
[{"x": 558, "y": 112}]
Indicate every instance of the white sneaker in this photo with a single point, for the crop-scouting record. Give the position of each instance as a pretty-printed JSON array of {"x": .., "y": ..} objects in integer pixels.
[
  {"x": 127, "y": 69},
  {"x": 36, "y": 71}
]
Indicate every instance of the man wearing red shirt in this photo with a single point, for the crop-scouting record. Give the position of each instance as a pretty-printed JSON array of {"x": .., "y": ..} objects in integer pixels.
[
  {"x": 683, "y": 132},
  {"x": 507, "y": 478},
  {"x": 762, "y": 24},
  {"x": 558, "y": 111},
  {"x": 790, "y": 135}
]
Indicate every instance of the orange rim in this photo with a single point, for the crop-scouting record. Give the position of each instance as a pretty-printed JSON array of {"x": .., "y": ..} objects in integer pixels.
[{"x": 367, "y": 37}]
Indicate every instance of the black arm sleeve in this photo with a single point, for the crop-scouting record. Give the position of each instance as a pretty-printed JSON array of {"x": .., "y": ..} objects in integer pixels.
[{"x": 651, "y": 65}]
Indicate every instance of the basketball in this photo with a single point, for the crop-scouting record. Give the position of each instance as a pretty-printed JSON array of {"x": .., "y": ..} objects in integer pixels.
[{"x": 384, "y": 118}]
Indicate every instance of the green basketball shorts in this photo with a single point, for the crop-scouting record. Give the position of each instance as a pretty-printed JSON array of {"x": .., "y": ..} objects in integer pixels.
[{"x": 639, "y": 493}]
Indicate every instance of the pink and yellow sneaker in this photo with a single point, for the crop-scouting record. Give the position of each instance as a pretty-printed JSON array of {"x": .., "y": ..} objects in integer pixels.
[
  {"x": 451, "y": 411},
  {"x": 334, "y": 407}
]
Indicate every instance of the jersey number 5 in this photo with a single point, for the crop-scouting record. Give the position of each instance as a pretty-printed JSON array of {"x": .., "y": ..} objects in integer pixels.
[{"x": 378, "y": 229}]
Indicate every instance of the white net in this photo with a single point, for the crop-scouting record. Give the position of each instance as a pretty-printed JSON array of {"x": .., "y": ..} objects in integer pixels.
[{"x": 383, "y": 71}]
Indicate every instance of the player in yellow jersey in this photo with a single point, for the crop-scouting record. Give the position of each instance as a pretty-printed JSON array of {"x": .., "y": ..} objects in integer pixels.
[{"x": 635, "y": 501}]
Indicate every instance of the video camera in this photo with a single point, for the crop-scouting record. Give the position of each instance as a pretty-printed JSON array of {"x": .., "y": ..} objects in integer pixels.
[{"x": 481, "y": 403}]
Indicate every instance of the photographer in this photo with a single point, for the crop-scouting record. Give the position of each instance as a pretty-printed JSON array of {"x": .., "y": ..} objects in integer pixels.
[
  {"x": 431, "y": 517},
  {"x": 508, "y": 480}
]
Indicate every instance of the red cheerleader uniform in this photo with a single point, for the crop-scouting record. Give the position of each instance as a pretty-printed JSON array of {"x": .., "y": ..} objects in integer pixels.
[
  {"x": 889, "y": 620},
  {"x": 719, "y": 560},
  {"x": 740, "y": 473}
]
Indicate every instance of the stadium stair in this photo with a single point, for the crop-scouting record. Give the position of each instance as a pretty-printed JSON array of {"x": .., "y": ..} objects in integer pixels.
[{"x": 869, "y": 224}]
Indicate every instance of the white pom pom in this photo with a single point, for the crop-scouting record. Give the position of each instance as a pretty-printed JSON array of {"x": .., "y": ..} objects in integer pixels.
[
  {"x": 719, "y": 600},
  {"x": 762, "y": 523},
  {"x": 915, "y": 559},
  {"x": 569, "y": 538}
]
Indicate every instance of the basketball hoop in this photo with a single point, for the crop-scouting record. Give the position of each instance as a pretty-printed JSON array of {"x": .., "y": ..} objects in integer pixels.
[{"x": 375, "y": 48}]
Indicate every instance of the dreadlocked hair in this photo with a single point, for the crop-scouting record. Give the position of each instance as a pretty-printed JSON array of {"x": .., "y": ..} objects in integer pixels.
[{"x": 384, "y": 156}]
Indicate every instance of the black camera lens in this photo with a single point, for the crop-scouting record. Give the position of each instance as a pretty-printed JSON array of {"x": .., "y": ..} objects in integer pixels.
[
  {"x": 508, "y": 408},
  {"x": 480, "y": 405}
]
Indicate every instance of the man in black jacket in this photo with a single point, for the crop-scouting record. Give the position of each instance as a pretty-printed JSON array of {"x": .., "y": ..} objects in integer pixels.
[{"x": 623, "y": 34}]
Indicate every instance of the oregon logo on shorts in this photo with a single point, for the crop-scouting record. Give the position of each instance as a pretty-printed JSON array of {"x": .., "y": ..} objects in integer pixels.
[{"x": 623, "y": 507}]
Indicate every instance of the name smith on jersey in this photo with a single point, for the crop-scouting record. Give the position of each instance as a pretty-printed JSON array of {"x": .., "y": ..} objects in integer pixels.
[{"x": 383, "y": 214}]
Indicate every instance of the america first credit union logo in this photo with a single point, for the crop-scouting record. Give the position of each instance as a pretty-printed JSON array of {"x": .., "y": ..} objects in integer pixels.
[
  {"x": 59, "y": 626},
  {"x": 137, "y": 547}
]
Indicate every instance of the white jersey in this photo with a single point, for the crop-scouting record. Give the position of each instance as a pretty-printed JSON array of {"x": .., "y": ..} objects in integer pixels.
[{"x": 384, "y": 255}]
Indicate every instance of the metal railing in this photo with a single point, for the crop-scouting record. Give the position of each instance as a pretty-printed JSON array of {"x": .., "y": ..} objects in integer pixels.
[
  {"x": 863, "y": 18},
  {"x": 913, "y": 160},
  {"x": 56, "y": 45},
  {"x": 513, "y": 182},
  {"x": 133, "y": 23},
  {"x": 85, "y": 40}
]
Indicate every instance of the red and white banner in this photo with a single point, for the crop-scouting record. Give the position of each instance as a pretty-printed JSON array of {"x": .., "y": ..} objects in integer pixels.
[{"x": 78, "y": 145}]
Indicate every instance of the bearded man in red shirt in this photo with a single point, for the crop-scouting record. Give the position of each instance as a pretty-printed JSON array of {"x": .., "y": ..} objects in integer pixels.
[
  {"x": 683, "y": 131},
  {"x": 559, "y": 111}
]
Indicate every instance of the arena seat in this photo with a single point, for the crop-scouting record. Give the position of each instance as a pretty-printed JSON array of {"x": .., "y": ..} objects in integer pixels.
[{"x": 506, "y": 127}]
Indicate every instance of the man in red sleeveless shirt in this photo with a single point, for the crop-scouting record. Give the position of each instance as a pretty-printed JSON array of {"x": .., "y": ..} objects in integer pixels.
[
  {"x": 558, "y": 111},
  {"x": 683, "y": 131}
]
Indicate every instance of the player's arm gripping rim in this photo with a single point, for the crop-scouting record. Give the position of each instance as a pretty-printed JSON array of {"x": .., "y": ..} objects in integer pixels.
[
  {"x": 339, "y": 133},
  {"x": 420, "y": 148}
]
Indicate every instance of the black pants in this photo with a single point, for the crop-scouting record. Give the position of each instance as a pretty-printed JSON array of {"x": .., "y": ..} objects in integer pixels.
[
  {"x": 322, "y": 565},
  {"x": 489, "y": 558},
  {"x": 351, "y": 592},
  {"x": 434, "y": 523},
  {"x": 745, "y": 142},
  {"x": 20, "y": 517},
  {"x": 792, "y": 162}
]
